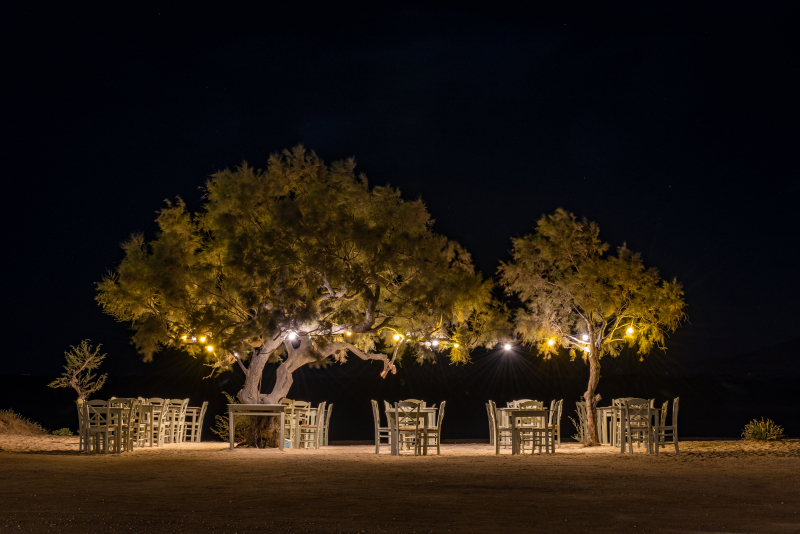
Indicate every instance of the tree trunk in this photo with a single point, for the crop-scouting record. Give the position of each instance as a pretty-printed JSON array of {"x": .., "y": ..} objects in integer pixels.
[{"x": 592, "y": 399}]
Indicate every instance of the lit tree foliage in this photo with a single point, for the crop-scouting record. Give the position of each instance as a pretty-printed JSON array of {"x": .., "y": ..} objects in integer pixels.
[
  {"x": 81, "y": 361},
  {"x": 575, "y": 296},
  {"x": 300, "y": 264}
]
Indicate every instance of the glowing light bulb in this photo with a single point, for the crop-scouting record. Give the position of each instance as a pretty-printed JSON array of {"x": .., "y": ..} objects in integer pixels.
[
  {"x": 629, "y": 330},
  {"x": 435, "y": 342},
  {"x": 194, "y": 338},
  {"x": 209, "y": 348},
  {"x": 455, "y": 345},
  {"x": 349, "y": 333},
  {"x": 184, "y": 338},
  {"x": 292, "y": 335},
  {"x": 551, "y": 342},
  {"x": 397, "y": 337},
  {"x": 202, "y": 339},
  {"x": 507, "y": 346},
  {"x": 585, "y": 337}
]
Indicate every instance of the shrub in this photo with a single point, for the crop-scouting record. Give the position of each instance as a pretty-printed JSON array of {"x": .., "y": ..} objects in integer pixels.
[
  {"x": 762, "y": 430},
  {"x": 62, "y": 432},
  {"x": 14, "y": 423},
  {"x": 241, "y": 423}
]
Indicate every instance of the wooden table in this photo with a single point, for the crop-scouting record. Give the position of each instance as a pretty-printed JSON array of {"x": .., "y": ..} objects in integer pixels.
[
  {"x": 268, "y": 410},
  {"x": 514, "y": 413}
]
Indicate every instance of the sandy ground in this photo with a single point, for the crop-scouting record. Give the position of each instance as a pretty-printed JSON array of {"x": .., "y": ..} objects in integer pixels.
[{"x": 47, "y": 486}]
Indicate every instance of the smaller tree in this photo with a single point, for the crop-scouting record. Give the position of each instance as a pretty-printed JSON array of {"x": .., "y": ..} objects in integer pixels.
[{"x": 81, "y": 361}]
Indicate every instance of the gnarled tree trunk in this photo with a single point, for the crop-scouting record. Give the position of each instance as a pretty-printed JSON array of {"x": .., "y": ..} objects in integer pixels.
[{"x": 592, "y": 399}]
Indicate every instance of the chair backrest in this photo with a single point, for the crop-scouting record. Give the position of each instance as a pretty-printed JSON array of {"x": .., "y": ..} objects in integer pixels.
[
  {"x": 530, "y": 421},
  {"x": 387, "y": 407},
  {"x": 96, "y": 413},
  {"x": 407, "y": 413},
  {"x": 157, "y": 401},
  {"x": 421, "y": 403},
  {"x": 675, "y": 412},
  {"x": 286, "y": 401},
  {"x": 439, "y": 419},
  {"x": 493, "y": 417},
  {"x": 518, "y": 401},
  {"x": 328, "y": 417},
  {"x": 301, "y": 404},
  {"x": 638, "y": 411},
  {"x": 376, "y": 414},
  {"x": 555, "y": 412},
  {"x": 663, "y": 418}
]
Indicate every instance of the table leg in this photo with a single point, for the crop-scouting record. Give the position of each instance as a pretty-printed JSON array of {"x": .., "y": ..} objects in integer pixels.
[
  {"x": 230, "y": 426},
  {"x": 514, "y": 440},
  {"x": 282, "y": 442},
  {"x": 654, "y": 437},
  {"x": 425, "y": 443}
]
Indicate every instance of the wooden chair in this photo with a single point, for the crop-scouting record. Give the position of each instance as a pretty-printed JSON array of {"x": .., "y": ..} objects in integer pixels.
[
  {"x": 535, "y": 430},
  {"x": 672, "y": 428},
  {"x": 326, "y": 429},
  {"x": 381, "y": 432},
  {"x": 81, "y": 426},
  {"x": 311, "y": 432},
  {"x": 407, "y": 426},
  {"x": 161, "y": 418},
  {"x": 555, "y": 419},
  {"x": 288, "y": 420},
  {"x": 500, "y": 431},
  {"x": 491, "y": 424},
  {"x": 637, "y": 423},
  {"x": 194, "y": 422},
  {"x": 99, "y": 424},
  {"x": 420, "y": 402},
  {"x": 175, "y": 420},
  {"x": 435, "y": 432},
  {"x": 125, "y": 422}
]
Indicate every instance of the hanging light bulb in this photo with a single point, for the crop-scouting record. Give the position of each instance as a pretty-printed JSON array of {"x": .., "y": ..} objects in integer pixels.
[
  {"x": 435, "y": 342},
  {"x": 209, "y": 348},
  {"x": 507, "y": 346},
  {"x": 455, "y": 345},
  {"x": 629, "y": 331},
  {"x": 551, "y": 342},
  {"x": 349, "y": 333},
  {"x": 397, "y": 337},
  {"x": 184, "y": 338},
  {"x": 292, "y": 335},
  {"x": 202, "y": 339},
  {"x": 194, "y": 338},
  {"x": 585, "y": 337}
]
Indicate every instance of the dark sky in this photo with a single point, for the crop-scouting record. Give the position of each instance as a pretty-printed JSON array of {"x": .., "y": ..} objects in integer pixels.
[{"x": 674, "y": 126}]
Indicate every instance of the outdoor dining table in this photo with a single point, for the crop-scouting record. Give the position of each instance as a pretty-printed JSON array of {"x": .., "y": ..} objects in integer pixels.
[
  {"x": 514, "y": 413},
  {"x": 273, "y": 410},
  {"x": 430, "y": 412},
  {"x": 606, "y": 419}
]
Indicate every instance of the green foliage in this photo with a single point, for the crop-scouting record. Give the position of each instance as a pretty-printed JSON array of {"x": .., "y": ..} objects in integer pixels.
[
  {"x": 13, "y": 423},
  {"x": 570, "y": 288},
  {"x": 299, "y": 247},
  {"x": 241, "y": 423},
  {"x": 81, "y": 361},
  {"x": 762, "y": 430},
  {"x": 62, "y": 432}
]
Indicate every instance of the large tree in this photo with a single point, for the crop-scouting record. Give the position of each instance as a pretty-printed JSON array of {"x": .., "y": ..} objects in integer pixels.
[
  {"x": 577, "y": 297},
  {"x": 301, "y": 263}
]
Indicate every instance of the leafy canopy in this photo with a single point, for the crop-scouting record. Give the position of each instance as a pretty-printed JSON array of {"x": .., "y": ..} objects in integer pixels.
[
  {"x": 577, "y": 296},
  {"x": 304, "y": 248}
]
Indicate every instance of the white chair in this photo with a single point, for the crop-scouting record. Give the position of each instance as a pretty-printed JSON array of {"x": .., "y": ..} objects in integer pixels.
[
  {"x": 534, "y": 430},
  {"x": 326, "y": 429},
  {"x": 555, "y": 419},
  {"x": 407, "y": 426},
  {"x": 81, "y": 426},
  {"x": 491, "y": 424},
  {"x": 174, "y": 415},
  {"x": 435, "y": 433},
  {"x": 161, "y": 419},
  {"x": 311, "y": 432},
  {"x": 502, "y": 433},
  {"x": 637, "y": 422},
  {"x": 672, "y": 428},
  {"x": 194, "y": 422},
  {"x": 99, "y": 423},
  {"x": 381, "y": 432},
  {"x": 125, "y": 421}
]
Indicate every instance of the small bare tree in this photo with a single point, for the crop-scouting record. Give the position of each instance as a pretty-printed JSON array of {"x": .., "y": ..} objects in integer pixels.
[{"x": 81, "y": 361}]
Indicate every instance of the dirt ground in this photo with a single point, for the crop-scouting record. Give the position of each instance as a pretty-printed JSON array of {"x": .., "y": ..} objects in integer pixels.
[{"x": 47, "y": 486}]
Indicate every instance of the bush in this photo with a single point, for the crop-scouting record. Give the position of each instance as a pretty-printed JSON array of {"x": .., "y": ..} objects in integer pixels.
[
  {"x": 62, "y": 432},
  {"x": 14, "y": 423},
  {"x": 762, "y": 431},
  {"x": 241, "y": 423}
]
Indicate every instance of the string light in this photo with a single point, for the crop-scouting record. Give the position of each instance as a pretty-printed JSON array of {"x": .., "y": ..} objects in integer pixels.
[
  {"x": 209, "y": 348},
  {"x": 435, "y": 342},
  {"x": 202, "y": 339},
  {"x": 349, "y": 333},
  {"x": 585, "y": 337},
  {"x": 629, "y": 330},
  {"x": 455, "y": 345},
  {"x": 398, "y": 337},
  {"x": 507, "y": 346},
  {"x": 184, "y": 338},
  {"x": 194, "y": 338},
  {"x": 551, "y": 342},
  {"x": 292, "y": 335}
]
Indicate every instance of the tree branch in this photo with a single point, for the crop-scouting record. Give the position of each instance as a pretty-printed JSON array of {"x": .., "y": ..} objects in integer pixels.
[{"x": 338, "y": 346}]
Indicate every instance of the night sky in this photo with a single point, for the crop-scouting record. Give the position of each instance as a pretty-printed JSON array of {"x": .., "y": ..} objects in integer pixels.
[{"x": 675, "y": 127}]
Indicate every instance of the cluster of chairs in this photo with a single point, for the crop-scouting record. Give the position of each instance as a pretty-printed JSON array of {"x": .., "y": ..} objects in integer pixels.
[
  {"x": 543, "y": 432},
  {"x": 409, "y": 424},
  {"x": 306, "y": 427},
  {"x": 629, "y": 420},
  {"x": 127, "y": 422}
]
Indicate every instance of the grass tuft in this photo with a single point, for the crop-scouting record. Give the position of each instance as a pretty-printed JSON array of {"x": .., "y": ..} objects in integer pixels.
[
  {"x": 762, "y": 430},
  {"x": 14, "y": 423}
]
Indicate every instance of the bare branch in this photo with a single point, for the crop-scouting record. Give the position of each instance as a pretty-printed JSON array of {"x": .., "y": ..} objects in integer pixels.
[{"x": 338, "y": 346}]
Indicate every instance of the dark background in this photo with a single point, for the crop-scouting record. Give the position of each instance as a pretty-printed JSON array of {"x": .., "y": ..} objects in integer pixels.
[{"x": 674, "y": 126}]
